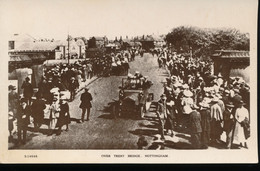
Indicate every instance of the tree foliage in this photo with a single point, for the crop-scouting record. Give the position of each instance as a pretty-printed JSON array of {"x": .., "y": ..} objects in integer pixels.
[{"x": 204, "y": 42}]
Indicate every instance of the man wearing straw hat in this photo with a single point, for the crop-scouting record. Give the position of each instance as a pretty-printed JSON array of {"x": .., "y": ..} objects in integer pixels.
[{"x": 229, "y": 123}]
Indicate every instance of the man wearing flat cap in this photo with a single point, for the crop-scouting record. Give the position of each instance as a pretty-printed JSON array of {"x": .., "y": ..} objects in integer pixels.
[
  {"x": 161, "y": 113},
  {"x": 85, "y": 104}
]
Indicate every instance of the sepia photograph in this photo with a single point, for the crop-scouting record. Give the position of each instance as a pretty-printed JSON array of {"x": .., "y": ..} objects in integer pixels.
[{"x": 151, "y": 79}]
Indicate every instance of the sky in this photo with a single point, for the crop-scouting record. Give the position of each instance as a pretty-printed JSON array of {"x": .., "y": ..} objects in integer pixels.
[{"x": 56, "y": 18}]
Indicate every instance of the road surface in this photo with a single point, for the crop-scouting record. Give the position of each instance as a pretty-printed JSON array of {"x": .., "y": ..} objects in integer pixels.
[{"x": 103, "y": 131}]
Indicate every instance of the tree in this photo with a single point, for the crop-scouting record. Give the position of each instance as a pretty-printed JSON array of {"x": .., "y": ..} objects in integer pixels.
[{"x": 204, "y": 42}]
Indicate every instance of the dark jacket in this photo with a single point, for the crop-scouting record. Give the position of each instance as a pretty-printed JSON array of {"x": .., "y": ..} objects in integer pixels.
[
  {"x": 23, "y": 116},
  {"x": 229, "y": 120},
  {"x": 27, "y": 89},
  {"x": 73, "y": 85},
  {"x": 64, "y": 116},
  {"x": 86, "y": 99},
  {"x": 38, "y": 107}
]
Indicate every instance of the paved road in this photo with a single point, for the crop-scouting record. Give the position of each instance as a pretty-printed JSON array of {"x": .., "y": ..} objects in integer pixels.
[{"x": 105, "y": 132}]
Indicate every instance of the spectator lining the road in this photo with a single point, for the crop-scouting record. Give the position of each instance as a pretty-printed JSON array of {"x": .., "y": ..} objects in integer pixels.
[{"x": 199, "y": 87}]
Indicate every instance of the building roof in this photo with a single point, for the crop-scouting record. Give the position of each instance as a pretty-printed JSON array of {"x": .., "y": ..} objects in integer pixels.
[
  {"x": 98, "y": 38},
  {"x": 22, "y": 38},
  {"x": 231, "y": 54},
  {"x": 80, "y": 42},
  {"x": 157, "y": 38}
]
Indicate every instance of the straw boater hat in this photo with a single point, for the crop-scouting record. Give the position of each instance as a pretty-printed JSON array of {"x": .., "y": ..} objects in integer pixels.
[
  {"x": 194, "y": 106},
  {"x": 219, "y": 96},
  {"x": 163, "y": 96},
  {"x": 229, "y": 104},
  {"x": 204, "y": 104},
  {"x": 187, "y": 93},
  {"x": 63, "y": 98},
  {"x": 54, "y": 90},
  {"x": 185, "y": 86},
  {"x": 215, "y": 100},
  {"x": 241, "y": 102},
  {"x": 176, "y": 85},
  {"x": 227, "y": 92},
  {"x": 220, "y": 76},
  {"x": 200, "y": 78}
]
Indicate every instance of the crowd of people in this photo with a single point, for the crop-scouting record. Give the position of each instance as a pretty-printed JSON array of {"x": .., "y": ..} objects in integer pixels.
[
  {"x": 52, "y": 94},
  {"x": 194, "y": 99},
  {"x": 204, "y": 104},
  {"x": 28, "y": 109}
]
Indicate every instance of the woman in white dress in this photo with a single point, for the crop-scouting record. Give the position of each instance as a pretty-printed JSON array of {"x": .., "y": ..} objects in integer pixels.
[
  {"x": 54, "y": 114},
  {"x": 241, "y": 115}
]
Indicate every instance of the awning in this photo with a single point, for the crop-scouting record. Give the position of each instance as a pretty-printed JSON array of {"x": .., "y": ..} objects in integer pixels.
[
  {"x": 38, "y": 57},
  {"x": 20, "y": 58}
]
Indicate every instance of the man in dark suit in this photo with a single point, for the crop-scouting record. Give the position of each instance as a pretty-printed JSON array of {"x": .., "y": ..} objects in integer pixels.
[
  {"x": 72, "y": 88},
  {"x": 27, "y": 90},
  {"x": 23, "y": 120},
  {"x": 195, "y": 127},
  {"x": 38, "y": 107},
  {"x": 229, "y": 123},
  {"x": 85, "y": 105}
]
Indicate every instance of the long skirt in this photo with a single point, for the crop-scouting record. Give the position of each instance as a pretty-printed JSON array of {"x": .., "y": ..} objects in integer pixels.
[
  {"x": 239, "y": 134},
  {"x": 216, "y": 130},
  {"x": 196, "y": 140},
  {"x": 53, "y": 123}
]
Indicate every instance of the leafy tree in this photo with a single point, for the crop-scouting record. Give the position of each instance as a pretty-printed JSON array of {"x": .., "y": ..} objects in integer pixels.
[{"x": 204, "y": 42}]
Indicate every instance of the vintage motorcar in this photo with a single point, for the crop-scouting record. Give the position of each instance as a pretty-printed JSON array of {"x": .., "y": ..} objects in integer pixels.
[{"x": 135, "y": 101}]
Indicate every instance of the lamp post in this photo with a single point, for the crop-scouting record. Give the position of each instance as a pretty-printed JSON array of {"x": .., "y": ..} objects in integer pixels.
[{"x": 68, "y": 49}]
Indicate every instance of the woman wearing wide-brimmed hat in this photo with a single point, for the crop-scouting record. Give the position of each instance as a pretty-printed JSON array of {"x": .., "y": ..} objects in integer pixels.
[
  {"x": 186, "y": 103},
  {"x": 64, "y": 115},
  {"x": 229, "y": 123},
  {"x": 242, "y": 120},
  {"x": 54, "y": 114}
]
